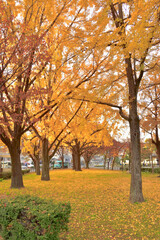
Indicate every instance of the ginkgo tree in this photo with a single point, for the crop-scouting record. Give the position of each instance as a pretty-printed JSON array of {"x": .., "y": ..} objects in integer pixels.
[
  {"x": 38, "y": 38},
  {"x": 127, "y": 33},
  {"x": 30, "y": 36},
  {"x": 89, "y": 129}
]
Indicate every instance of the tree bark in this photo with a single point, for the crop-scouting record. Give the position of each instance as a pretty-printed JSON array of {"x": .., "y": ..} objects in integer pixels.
[
  {"x": 136, "y": 179},
  {"x": 108, "y": 163},
  {"x": 158, "y": 152},
  {"x": 62, "y": 157},
  {"x": 113, "y": 162},
  {"x": 37, "y": 167},
  {"x": 16, "y": 178},
  {"x": 105, "y": 159},
  {"x": 73, "y": 158},
  {"x": 87, "y": 163},
  {"x": 77, "y": 156},
  {"x": 45, "y": 161},
  {"x": 1, "y": 169}
]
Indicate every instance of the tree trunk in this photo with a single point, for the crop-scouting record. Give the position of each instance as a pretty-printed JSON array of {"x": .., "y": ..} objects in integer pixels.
[
  {"x": 1, "y": 169},
  {"x": 14, "y": 150},
  {"x": 77, "y": 156},
  {"x": 37, "y": 167},
  {"x": 158, "y": 151},
  {"x": 45, "y": 161},
  {"x": 62, "y": 157},
  {"x": 104, "y": 163},
  {"x": 136, "y": 194},
  {"x": 77, "y": 162},
  {"x": 136, "y": 179},
  {"x": 113, "y": 162},
  {"x": 87, "y": 163},
  {"x": 108, "y": 163},
  {"x": 122, "y": 164},
  {"x": 73, "y": 158}
]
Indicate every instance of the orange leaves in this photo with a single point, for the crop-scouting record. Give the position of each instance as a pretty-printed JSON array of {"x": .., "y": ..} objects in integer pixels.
[{"x": 99, "y": 203}]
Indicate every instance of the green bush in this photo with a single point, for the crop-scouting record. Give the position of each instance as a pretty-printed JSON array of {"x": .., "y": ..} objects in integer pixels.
[
  {"x": 7, "y": 175},
  {"x": 125, "y": 168},
  {"x": 25, "y": 171},
  {"x": 156, "y": 170},
  {"x": 32, "y": 218}
]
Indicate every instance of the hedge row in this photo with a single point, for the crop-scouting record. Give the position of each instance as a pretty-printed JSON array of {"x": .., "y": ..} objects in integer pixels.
[
  {"x": 7, "y": 175},
  {"x": 32, "y": 218},
  {"x": 156, "y": 170}
]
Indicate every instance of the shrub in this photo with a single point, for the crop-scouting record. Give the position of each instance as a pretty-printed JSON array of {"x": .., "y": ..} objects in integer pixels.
[
  {"x": 32, "y": 218},
  {"x": 7, "y": 175},
  {"x": 156, "y": 170},
  {"x": 125, "y": 168}
]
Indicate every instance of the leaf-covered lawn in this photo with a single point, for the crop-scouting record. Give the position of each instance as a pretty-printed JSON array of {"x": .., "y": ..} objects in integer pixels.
[{"x": 99, "y": 201}]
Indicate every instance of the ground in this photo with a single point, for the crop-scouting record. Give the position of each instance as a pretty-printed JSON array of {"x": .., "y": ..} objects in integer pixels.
[{"x": 99, "y": 202}]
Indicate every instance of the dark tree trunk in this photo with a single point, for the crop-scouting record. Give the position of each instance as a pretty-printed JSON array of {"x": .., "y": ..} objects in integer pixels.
[
  {"x": 108, "y": 163},
  {"x": 77, "y": 162},
  {"x": 77, "y": 156},
  {"x": 62, "y": 157},
  {"x": 105, "y": 159},
  {"x": 73, "y": 158},
  {"x": 1, "y": 169},
  {"x": 14, "y": 150},
  {"x": 37, "y": 167},
  {"x": 45, "y": 161},
  {"x": 158, "y": 151},
  {"x": 87, "y": 163},
  {"x": 136, "y": 179},
  {"x": 113, "y": 162}
]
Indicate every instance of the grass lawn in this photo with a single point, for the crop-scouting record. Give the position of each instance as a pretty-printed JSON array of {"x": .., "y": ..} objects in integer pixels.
[{"x": 99, "y": 202}]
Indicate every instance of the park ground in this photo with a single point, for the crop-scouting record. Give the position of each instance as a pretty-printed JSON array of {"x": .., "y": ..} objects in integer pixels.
[{"x": 100, "y": 203}]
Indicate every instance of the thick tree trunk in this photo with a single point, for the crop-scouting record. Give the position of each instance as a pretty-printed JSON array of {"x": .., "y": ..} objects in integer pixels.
[
  {"x": 14, "y": 150},
  {"x": 77, "y": 162},
  {"x": 136, "y": 179},
  {"x": 45, "y": 161}
]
